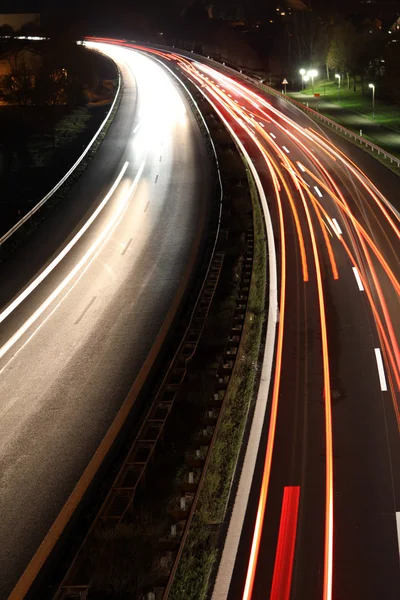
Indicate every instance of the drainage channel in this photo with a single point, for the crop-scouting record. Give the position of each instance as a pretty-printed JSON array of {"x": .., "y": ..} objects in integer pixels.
[{"x": 197, "y": 465}]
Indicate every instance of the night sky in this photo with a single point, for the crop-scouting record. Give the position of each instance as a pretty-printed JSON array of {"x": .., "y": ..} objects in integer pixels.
[
  {"x": 117, "y": 16},
  {"x": 252, "y": 5}
]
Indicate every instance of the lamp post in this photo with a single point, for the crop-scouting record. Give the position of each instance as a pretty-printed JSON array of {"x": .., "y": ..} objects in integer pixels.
[
  {"x": 312, "y": 73},
  {"x": 302, "y": 73},
  {"x": 306, "y": 80},
  {"x": 338, "y": 77},
  {"x": 372, "y": 86}
]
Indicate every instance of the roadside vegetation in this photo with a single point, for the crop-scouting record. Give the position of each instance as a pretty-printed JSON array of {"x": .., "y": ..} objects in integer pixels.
[
  {"x": 358, "y": 100},
  {"x": 200, "y": 554},
  {"x": 53, "y": 98}
]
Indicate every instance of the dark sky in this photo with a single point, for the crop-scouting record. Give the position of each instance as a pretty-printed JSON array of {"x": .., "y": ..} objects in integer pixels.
[{"x": 157, "y": 7}]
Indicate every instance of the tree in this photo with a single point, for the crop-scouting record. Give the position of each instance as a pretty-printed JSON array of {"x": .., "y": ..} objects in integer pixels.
[
  {"x": 19, "y": 83},
  {"x": 6, "y": 30}
]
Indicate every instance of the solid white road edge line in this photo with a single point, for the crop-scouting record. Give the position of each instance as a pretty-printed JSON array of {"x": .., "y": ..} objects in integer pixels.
[
  {"x": 94, "y": 247},
  {"x": 229, "y": 553},
  {"x": 381, "y": 370},
  {"x": 398, "y": 528},
  {"x": 358, "y": 279},
  {"x": 7, "y": 311}
]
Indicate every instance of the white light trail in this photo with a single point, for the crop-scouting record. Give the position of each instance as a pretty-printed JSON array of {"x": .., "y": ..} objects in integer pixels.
[
  {"x": 11, "y": 307},
  {"x": 94, "y": 247}
]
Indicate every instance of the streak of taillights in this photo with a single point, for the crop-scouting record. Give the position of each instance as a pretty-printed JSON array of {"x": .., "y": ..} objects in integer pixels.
[
  {"x": 381, "y": 331},
  {"x": 360, "y": 175},
  {"x": 282, "y": 578},
  {"x": 251, "y": 569},
  {"x": 364, "y": 236},
  {"x": 328, "y": 541},
  {"x": 332, "y": 260},
  {"x": 343, "y": 205}
]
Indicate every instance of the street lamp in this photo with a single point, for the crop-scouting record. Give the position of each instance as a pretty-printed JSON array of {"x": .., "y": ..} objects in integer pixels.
[
  {"x": 302, "y": 73},
  {"x": 372, "y": 86},
  {"x": 312, "y": 73},
  {"x": 338, "y": 77}
]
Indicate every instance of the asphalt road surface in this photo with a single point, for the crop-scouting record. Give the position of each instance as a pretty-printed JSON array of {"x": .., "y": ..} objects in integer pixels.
[
  {"x": 321, "y": 519},
  {"x": 83, "y": 302},
  {"x": 321, "y": 515}
]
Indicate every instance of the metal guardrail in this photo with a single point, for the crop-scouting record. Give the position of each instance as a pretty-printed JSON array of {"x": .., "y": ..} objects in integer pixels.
[{"x": 51, "y": 193}]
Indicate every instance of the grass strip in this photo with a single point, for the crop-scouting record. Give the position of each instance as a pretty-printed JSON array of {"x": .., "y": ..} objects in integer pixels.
[{"x": 200, "y": 555}]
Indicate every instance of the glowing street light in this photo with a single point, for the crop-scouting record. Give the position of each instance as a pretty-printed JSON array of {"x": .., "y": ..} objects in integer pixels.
[
  {"x": 312, "y": 73},
  {"x": 338, "y": 77},
  {"x": 372, "y": 86},
  {"x": 302, "y": 73}
]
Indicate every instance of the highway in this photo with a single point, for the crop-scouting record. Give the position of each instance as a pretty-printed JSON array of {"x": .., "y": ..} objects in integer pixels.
[
  {"x": 321, "y": 519},
  {"x": 321, "y": 516},
  {"x": 83, "y": 303}
]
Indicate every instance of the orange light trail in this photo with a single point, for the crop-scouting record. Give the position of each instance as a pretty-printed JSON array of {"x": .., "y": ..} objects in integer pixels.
[
  {"x": 391, "y": 352},
  {"x": 381, "y": 259},
  {"x": 378, "y": 321},
  {"x": 360, "y": 175},
  {"x": 251, "y": 569},
  {"x": 328, "y": 542}
]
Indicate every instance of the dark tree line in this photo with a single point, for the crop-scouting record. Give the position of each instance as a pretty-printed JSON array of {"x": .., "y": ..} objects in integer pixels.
[{"x": 47, "y": 73}]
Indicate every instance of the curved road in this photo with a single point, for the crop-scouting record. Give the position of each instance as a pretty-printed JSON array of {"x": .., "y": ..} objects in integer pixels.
[
  {"x": 322, "y": 516},
  {"x": 83, "y": 303}
]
